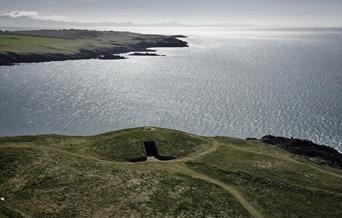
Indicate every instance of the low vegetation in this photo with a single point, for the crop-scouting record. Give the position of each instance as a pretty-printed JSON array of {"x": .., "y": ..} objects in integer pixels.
[{"x": 64, "y": 176}]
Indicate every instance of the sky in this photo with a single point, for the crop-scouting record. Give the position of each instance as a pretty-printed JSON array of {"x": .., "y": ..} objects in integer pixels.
[{"x": 311, "y": 13}]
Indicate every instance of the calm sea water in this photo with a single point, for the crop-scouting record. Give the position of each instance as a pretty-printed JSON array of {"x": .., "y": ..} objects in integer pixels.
[{"x": 242, "y": 83}]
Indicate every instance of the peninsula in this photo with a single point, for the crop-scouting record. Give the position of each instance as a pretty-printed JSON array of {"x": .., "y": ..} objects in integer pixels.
[
  {"x": 156, "y": 172},
  {"x": 70, "y": 44}
]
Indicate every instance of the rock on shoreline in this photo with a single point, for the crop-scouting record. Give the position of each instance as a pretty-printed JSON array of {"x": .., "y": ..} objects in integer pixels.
[
  {"x": 145, "y": 54},
  {"x": 306, "y": 148},
  {"x": 111, "y": 57}
]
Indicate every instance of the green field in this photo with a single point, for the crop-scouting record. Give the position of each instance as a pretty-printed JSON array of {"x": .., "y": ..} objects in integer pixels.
[
  {"x": 41, "y": 45},
  {"x": 65, "y": 176},
  {"x": 67, "y": 41},
  {"x": 15, "y": 40}
]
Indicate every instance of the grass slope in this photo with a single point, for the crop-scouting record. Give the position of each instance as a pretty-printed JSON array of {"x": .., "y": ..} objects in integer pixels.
[{"x": 60, "y": 176}]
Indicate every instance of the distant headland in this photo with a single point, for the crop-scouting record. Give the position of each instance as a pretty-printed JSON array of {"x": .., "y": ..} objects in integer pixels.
[{"x": 70, "y": 44}]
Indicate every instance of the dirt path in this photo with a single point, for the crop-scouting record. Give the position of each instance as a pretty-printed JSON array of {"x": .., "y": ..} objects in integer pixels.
[
  {"x": 206, "y": 149},
  {"x": 237, "y": 195},
  {"x": 182, "y": 169}
]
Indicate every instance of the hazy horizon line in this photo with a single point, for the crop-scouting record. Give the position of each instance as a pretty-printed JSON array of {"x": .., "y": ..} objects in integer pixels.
[{"x": 39, "y": 22}]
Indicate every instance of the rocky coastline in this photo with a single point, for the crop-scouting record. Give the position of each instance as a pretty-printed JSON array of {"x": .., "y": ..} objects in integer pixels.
[
  {"x": 11, "y": 58},
  {"x": 144, "y": 54},
  {"x": 320, "y": 154}
]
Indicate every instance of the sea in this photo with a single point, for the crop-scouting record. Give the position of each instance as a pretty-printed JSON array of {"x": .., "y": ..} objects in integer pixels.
[{"x": 238, "y": 82}]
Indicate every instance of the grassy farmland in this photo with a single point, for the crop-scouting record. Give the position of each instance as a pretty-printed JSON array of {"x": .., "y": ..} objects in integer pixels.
[
  {"x": 30, "y": 44},
  {"x": 65, "y": 176}
]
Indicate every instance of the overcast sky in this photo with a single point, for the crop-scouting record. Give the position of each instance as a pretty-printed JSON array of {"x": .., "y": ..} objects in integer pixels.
[{"x": 254, "y": 12}]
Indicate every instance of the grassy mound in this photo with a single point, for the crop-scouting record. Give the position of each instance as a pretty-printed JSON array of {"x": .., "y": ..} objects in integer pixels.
[
  {"x": 64, "y": 176},
  {"x": 115, "y": 146}
]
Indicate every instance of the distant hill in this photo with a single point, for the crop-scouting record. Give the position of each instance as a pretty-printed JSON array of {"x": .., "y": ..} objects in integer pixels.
[
  {"x": 29, "y": 23},
  {"x": 25, "y": 23},
  {"x": 155, "y": 172}
]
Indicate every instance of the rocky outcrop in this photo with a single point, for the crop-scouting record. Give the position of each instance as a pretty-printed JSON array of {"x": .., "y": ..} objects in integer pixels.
[
  {"x": 307, "y": 148},
  {"x": 169, "y": 41},
  {"x": 144, "y": 54},
  {"x": 111, "y": 57},
  {"x": 179, "y": 36}
]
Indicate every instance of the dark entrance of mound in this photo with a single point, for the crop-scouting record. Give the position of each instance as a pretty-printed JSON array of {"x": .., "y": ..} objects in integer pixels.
[{"x": 152, "y": 151}]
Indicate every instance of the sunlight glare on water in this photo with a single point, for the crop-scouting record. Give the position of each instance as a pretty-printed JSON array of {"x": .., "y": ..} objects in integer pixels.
[{"x": 234, "y": 83}]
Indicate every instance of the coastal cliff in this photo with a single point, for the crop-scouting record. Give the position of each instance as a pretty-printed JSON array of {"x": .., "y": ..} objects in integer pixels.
[
  {"x": 323, "y": 154},
  {"x": 60, "y": 45}
]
